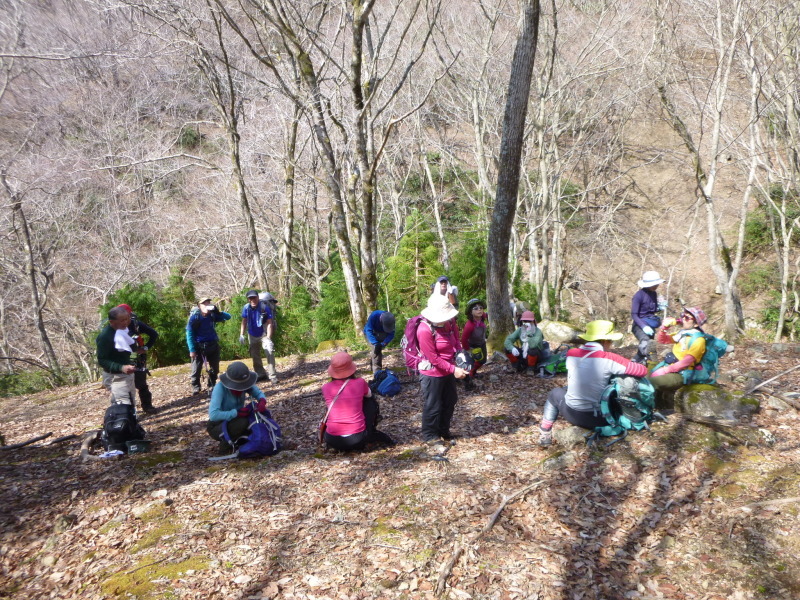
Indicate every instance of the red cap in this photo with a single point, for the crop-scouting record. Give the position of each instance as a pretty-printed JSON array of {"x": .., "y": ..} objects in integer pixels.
[{"x": 126, "y": 307}]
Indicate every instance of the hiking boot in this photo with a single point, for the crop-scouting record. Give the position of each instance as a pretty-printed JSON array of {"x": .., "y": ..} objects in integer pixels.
[
  {"x": 262, "y": 377},
  {"x": 273, "y": 379},
  {"x": 149, "y": 410},
  {"x": 545, "y": 438},
  {"x": 195, "y": 390},
  {"x": 469, "y": 385}
]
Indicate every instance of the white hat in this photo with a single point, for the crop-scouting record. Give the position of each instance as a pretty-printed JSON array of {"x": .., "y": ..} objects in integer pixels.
[
  {"x": 439, "y": 309},
  {"x": 649, "y": 279}
]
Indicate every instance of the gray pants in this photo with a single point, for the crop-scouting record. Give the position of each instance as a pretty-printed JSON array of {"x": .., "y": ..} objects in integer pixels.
[
  {"x": 121, "y": 386},
  {"x": 256, "y": 345}
]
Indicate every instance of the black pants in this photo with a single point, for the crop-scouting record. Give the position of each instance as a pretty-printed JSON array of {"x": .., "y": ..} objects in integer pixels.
[
  {"x": 357, "y": 441},
  {"x": 439, "y": 398},
  {"x": 644, "y": 341},
  {"x": 209, "y": 350},
  {"x": 376, "y": 356},
  {"x": 557, "y": 405},
  {"x": 237, "y": 427},
  {"x": 140, "y": 381}
]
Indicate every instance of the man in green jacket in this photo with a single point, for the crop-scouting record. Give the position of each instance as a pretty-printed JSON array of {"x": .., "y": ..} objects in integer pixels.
[{"x": 114, "y": 357}]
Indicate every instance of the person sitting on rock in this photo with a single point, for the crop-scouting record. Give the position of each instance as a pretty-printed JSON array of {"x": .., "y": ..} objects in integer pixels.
[
  {"x": 688, "y": 349},
  {"x": 525, "y": 346},
  {"x": 645, "y": 306},
  {"x": 589, "y": 369},
  {"x": 353, "y": 412},
  {"x": 227, "y": 403}
]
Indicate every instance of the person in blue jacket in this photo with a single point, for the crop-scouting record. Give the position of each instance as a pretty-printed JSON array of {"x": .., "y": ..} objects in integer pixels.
[
  {"x": 203, "y": 342},
  {"x": 379, "y": 331},
  {"x": 228, "y": 406}
]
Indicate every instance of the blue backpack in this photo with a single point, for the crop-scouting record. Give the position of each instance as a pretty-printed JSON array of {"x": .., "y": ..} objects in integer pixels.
[
  {"x": 264, "y": 438},
  {"x": 627, "y": 403},
  {"x": 706, "y": 371},
  {"x": 387, "y": 383}
]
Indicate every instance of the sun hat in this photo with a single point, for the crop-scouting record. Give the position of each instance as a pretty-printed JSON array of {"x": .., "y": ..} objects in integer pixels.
[
  {"x": 649, "y": 279},
  {"x": 387, "y": 322},
  {"x": 600, "y": 330},
  {"x": 126, "y": 307},
  {"x": 439, "y": 309},
  {"x": 528, "y": 316},
  {"x": 251, "y": 294},
  {"x": 238, "y": 377},
  {"x": 473, "y": 303},
  {"x": 697, "y": 313},
  {"x": 342, "y": 366},
  {"x": 204, "y": 300}
]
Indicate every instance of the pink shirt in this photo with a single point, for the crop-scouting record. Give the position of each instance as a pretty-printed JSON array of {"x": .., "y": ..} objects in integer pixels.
[
  {"x": 440, "y": 350},
  {"x": 347, "y": 416}
]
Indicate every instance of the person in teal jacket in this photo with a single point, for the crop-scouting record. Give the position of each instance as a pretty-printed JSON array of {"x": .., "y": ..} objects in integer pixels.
[
  {"x": 525, "y": 346},
  {"x": 203, "y": 342},
  {"x": 228, "y": 406}
]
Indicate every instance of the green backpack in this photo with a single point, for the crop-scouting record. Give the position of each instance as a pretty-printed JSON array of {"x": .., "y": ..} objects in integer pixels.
[
  {"x": 627, "y": 403},
  {"x": 555, "y": 364}
]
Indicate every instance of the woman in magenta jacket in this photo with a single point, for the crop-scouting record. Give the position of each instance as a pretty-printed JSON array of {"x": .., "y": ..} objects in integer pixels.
[{"x": 438, "y": 343}]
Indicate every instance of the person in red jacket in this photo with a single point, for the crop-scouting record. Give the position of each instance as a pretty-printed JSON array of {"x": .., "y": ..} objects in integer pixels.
[
  {"x": 438, "y": 344},
  {"x": 473, "y": 338}
]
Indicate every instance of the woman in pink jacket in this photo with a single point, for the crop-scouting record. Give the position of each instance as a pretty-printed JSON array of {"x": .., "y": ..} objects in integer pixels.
[{"x": 438, "y": 343}]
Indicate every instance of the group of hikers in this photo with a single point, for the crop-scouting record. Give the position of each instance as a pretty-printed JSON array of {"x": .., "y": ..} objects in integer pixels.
[{"x": 433, "y": 347}]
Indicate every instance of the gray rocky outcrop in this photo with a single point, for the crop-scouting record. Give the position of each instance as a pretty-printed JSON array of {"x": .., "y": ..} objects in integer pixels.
[
  {"x": 557, "y": 332},
  {"x": 710, "y": 401}
]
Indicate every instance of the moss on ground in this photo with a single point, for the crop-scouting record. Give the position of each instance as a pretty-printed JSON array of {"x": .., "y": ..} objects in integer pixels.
[
  {"x": 140, "y": 582},
  {"x": 151, "y": 460}
]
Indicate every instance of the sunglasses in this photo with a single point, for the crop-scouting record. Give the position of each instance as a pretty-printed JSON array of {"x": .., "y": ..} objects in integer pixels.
[{"x": 687, "y": 318}]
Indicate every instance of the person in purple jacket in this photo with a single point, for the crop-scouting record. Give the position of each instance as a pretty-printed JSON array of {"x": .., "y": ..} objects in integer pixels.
[
  {"x": 437, "y": 337},
  {"x": 644, "y": 311}
]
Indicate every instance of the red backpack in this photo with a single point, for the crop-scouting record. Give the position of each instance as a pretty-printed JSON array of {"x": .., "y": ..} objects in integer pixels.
[{"x": 410, "y": 345}]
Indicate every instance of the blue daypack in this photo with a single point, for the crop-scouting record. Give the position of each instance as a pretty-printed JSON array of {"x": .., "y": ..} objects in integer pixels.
[
  {"x": 627, "y": 403},
  {"x": 706, "y": 371},
  {"x": 388, "y": 383},
  {"x": 264, "y": 438}
]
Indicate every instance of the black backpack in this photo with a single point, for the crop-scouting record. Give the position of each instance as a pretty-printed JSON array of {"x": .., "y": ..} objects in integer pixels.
[{"x": 120, "y": 426}]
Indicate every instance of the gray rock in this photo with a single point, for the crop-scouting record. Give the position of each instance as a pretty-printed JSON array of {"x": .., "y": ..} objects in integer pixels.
[
  {"x": 708, "y": 401},
  {"x": 64, "y": 522},
  {"x": 777, "y": 404},
  {"x": 494, "y": 378},
  {"x": 571, "y": 436},
  {"x": 558, "y": 332},
  {"x": 560, "y": 461},
  {"x": 498, "y": 357}
]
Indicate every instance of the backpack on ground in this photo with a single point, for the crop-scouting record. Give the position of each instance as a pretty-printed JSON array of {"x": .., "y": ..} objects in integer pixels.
[
  {"x": 385, "y": 383},
  {"x": 410, "y": 345},
  {"x": 627, "y": 403},
  {"x": 707, "y": 370},
  {"x": 120, "y": 426},
  {"x": 555, "y": 364},
  {"x": 262, "y": 439}
]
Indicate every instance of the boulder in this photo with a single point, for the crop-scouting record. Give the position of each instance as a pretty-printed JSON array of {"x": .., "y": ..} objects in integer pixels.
[
  {"x": 559, "y": 333},
  {"x": 559, "y": 461},
  {"x": 571, "y": 436},
  {"x": 710, "y": 401}
]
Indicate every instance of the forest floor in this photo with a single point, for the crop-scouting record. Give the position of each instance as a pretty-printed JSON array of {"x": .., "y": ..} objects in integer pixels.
[{"x": 667, "y": 514}]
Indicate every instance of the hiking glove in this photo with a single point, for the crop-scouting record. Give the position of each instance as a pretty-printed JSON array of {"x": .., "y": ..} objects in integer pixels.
[
  {"x": 648, "y": 330},
  {"x": 262, "y": 406},
  {"x": 245, "y": 411},
  {"x": 515, "y": 351},
  {"x": 241, "y": 339},
  {"x": 270, "y": 345}
]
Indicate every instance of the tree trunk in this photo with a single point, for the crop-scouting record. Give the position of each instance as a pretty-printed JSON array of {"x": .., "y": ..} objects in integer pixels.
[
  {"x": 505, "y": 206},
  {"x": 285, "y": 284}
]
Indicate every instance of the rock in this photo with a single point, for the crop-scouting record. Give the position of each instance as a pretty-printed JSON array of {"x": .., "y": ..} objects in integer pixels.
[
  {"x": 494, "y": 378},
  {"x": 49, "y": 560},
  {"x": 159, "y": 494},
  {"x": 64, "y": 522},
  {"x": 558, "y": 332},
  {"x": 559, "y": 461},
  {"x": 498, "y": 357},
  {"x": 708, "y": 401},
  {"x": 571, "y": 436},
  {"x": 138, "y": 510},
  {"x": 767, "y": 436},
  {"x": 242, "y": 579},
  {"x": 777, "y": 404}
]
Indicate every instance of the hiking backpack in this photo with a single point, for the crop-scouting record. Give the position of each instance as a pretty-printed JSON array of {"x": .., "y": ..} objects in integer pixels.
[
  {"x": 264, "y": 438},
  {"x": 120, "y": 426},
  {"x": 706, "y": 371},
  {"x": 385, "y": 383},
  {"x": 411, "y": 352},
  {"x": 555, "y": 364},
  {"x": 627, "y": 403}
]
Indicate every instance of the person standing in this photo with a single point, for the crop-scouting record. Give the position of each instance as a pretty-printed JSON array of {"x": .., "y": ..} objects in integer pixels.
[
  {"x": 203, "y": 342},
  {"x": 379, "y": 331},
  {"x": 589, "y": 369},
  {"x": 114, "y": 357},
  {"x": 257, "y": 321},
  {"x": 438, "y": 344},
  {"x": 644, "y": 309},
  {"x": 473, "y": 338},
  {"x": 136, "y": 330}
]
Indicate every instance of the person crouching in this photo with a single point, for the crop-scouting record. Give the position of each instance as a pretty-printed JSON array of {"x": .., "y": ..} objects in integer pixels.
[{"x": 227, "y": 403}]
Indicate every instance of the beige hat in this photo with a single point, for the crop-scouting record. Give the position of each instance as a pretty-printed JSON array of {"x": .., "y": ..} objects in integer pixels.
[{"x": 439, "y": 309}]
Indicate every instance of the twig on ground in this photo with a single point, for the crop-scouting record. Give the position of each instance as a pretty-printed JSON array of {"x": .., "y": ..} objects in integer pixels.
[
  {"x": 722, "y": 427},
  {"x": 62, "y": 439},
  {"x": 38, "y": 438},
  {"x": 447, "y": 568},
  {"x": 144, "y": 566},
  {"x": 770, "y": 503},
  {"x": 763, "y": 383}
]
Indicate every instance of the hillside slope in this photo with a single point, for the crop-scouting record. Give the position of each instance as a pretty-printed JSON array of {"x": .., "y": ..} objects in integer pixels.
[{"x": 657, "y": 516}]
